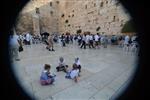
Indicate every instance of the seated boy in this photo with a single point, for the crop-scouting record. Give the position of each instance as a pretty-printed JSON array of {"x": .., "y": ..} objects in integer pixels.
[
  {"x": 62, "y": 66},
  {"x": 73, "y": 74},
  {"x": 46, "y": 77},
  {"x": 77, "y": 62}
]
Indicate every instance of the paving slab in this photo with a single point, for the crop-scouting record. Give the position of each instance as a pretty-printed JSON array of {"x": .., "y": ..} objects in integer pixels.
[{"x": 104, "y": 72}]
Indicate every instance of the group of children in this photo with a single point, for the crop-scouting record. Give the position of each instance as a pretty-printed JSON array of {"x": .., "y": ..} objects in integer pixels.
[{"x": 48, "y": 78}]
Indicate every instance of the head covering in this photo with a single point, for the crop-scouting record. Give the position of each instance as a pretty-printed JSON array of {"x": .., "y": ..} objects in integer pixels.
[
  {"x": 61, "y": 59},
  {"x": 76, "y": 59}
]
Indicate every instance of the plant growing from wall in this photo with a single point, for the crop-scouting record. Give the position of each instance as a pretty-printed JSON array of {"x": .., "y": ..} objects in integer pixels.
[
  {"x": 72, "y": 15},
  {"x": 66, "y": 21},
  {"x": 128, "y": 27},
  {"x": 62, "y": 15},
  {"x": 79, "y": 31},
  {"x": 98, "y": 28}
]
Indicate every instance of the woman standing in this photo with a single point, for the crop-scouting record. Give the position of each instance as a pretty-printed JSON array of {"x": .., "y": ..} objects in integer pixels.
[{"x": 50, "y": 43}]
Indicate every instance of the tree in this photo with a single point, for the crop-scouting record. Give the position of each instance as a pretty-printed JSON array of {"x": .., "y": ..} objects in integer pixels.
[{"x": 128, "y": 27}]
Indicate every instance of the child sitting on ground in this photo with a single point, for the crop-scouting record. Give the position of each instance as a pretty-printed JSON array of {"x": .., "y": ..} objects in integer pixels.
[
  {"x": 73, "y": 74},
  {"x": 77, "y": 62},
  {"x": 62, "y": 66},
  {"x": 46, "y": 77}
]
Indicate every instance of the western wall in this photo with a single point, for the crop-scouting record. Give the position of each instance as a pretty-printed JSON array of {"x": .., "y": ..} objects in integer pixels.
[{"x": 61, "y": 16}]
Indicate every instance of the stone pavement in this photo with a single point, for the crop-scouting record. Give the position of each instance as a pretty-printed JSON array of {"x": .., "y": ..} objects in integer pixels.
[{"x": 105, "y": 71}]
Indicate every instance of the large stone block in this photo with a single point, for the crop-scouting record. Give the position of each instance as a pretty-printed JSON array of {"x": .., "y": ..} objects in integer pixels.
[{"x": 79, "y": 13}]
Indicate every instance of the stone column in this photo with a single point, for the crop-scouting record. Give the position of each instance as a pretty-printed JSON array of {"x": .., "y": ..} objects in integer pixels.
[{"x": 36, "y": 24}]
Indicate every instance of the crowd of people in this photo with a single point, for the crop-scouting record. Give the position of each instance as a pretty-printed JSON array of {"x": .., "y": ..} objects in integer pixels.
[
  {"x": 84, "y": 40},
  {"x": 96, "y": 41}
]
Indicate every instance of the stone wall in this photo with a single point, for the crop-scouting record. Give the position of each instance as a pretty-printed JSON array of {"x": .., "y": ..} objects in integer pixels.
[
  {"x": 88, "y": 15},
  {"x": 71, "y": 15},
  {"x": 47, "y": 14},
  {"x": 24, "y": 23}
]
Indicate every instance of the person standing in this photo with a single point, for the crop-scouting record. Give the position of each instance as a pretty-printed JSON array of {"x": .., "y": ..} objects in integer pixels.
[
  {"x": 79, "y": 38},
  {"x": 126, "y": 43},
  {"x": 133, "y": 38},
  {"x": 83, "y": 41},
  {"x": 67, "y": 38},
  {"x": 28, "y": 38},
  {"x": 59, "y": 40},
  {"x": 50, "y": 43},
  {"x": 71, "y": 39},
  {"x": 14, "y": 47},
  {"x": 96, "y": 37},
  {"x": 87, "y": 38},
  {"x": 91, "y": 41},
  {"x": 120, "y": 41},
  {"x": 63, "y": 40},
  {"x": 104, "y": 41}
]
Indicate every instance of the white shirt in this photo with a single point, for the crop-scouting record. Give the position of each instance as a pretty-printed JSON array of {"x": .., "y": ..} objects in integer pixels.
[
  {"x": 78, "y": 62},
  {"x": 28, "y": 37},
  {"x": 74, "y": 73},
  {"x": 96, "y": 37},
  {"x": 133, "y": 38},
  {"x": 90, "y": 37},
  {"x": 126, "y": 40},
  {"x": 103, "y": 39},
  {"x": 83, "y": 38},
  {"x": 62, "y": 63},
  {"x": 14, "y": 41},
  {"x": 79, "y": 37},
  {"x": 21, "y": 37},
  {"x": 87, "y": 38}
]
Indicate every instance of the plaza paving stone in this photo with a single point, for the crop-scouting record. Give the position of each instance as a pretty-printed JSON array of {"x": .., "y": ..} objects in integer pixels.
[{"x": 104, "y": 72}]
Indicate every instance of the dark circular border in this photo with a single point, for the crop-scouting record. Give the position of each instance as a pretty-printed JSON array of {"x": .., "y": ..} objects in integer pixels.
[{"x": 138, "y": 88}]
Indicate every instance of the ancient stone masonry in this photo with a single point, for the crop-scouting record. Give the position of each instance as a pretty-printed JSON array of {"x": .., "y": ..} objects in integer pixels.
[
  {"x": 36, "y": 24},
  {"x": 71, "y": 15},
  {"x": 43, "y": 14},
  {"x": 24, "y": 23}
]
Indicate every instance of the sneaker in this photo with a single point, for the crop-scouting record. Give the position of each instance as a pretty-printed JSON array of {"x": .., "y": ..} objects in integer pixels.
[
  {"x": 53, "y": 50},
  {"x": 17, "y": 59}
]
